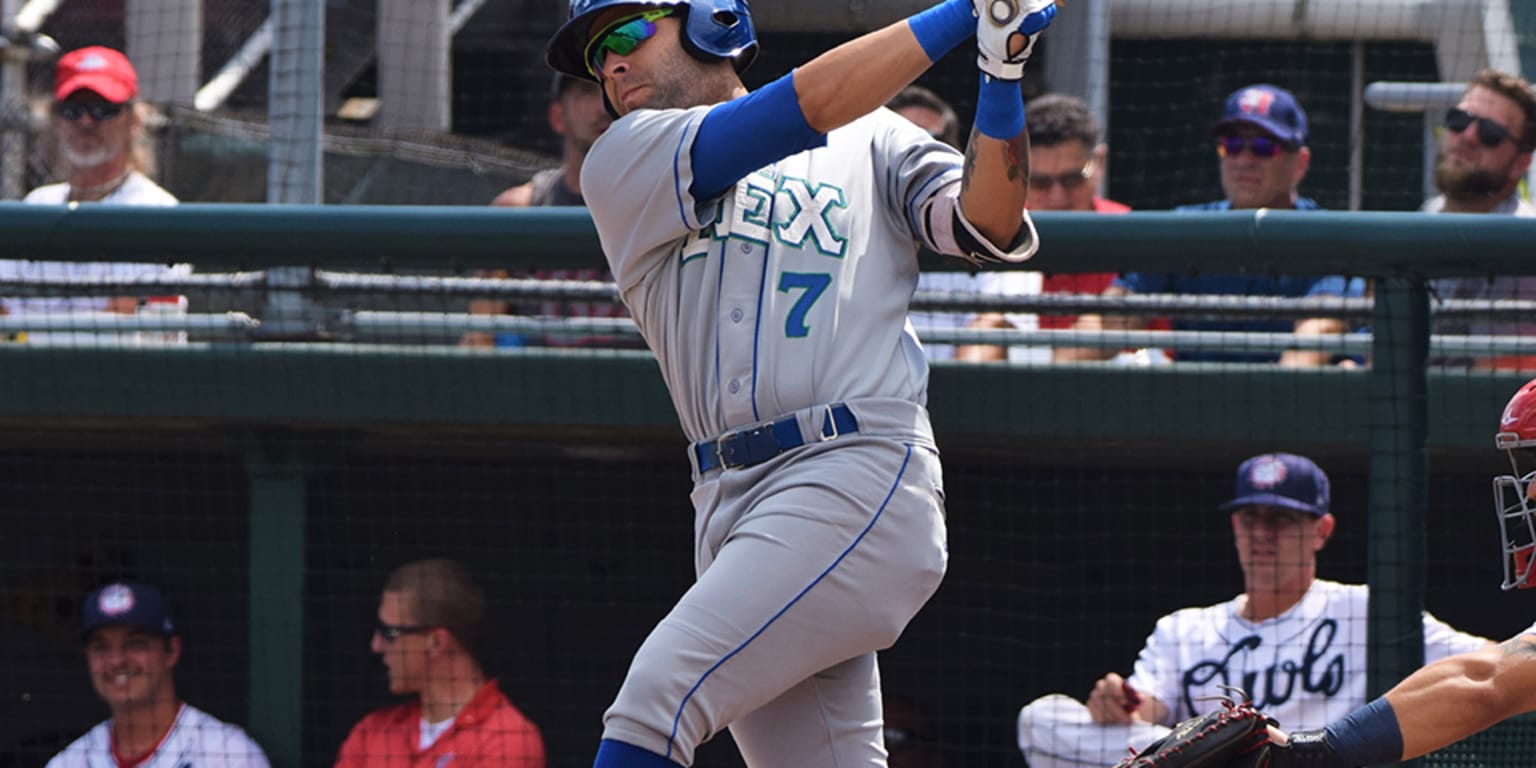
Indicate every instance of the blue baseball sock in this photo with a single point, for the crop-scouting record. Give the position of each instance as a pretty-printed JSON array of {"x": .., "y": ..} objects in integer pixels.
[{"x": 617, "y": 754}]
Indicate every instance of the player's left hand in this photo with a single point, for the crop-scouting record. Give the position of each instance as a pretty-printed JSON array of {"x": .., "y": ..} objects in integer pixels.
[{"x": 1006, "y": 31}]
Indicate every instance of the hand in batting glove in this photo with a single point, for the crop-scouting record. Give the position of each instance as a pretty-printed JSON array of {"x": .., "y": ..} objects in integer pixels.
[{"x": 1006, "y": 31}]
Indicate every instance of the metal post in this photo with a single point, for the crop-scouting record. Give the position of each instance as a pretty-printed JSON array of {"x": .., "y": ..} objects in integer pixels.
[
  {"x": 278, "y": 493},
  {"x": 165, "y": 43},
  {"x": 414, "y": 65},
  {"x": 296, "y": 102},
  {"x": 1399, "y": 482},
  {"x": 13, "y": 111}
]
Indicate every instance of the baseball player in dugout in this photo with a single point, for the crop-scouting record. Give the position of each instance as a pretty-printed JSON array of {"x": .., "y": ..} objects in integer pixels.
[
  {"x": 427, "y": 636},
  {"x": 1260, "y": 141},
  {"x": 1456, "y": 697},
  {"x": 1485, "y": 151},
  {"x": 1293, "y": 642},
  {"x": 131, "y": 649},
  {"x": 766, "y": 245}
]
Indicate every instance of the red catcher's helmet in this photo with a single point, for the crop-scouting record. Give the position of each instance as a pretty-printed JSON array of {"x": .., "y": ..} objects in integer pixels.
[{"x": 1514, "y": 495}]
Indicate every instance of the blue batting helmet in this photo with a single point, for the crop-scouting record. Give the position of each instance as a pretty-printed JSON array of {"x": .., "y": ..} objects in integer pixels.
[{"x": 712, "y": 30}]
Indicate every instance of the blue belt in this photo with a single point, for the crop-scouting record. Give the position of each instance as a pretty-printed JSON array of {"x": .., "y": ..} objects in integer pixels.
[{"x": 750, "y": 447}]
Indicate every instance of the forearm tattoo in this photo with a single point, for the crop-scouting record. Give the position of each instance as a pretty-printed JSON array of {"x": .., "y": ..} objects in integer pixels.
[
  {"x": 1519, "y": 647},
  {"x": 1018, "y": 158},
  {"x": 970, "y": 160},
  {"x": 1015, "y": 159}
]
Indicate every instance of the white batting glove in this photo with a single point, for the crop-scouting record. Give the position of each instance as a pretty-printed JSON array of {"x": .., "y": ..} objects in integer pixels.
[{"x": 1006, "y": 31}]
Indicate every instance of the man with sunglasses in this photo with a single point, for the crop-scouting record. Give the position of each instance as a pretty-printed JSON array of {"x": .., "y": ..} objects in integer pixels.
[
  {"x": 428, "y": 636},
  {"x": 1293, "y": 642},
  {"x": 105, "y": 156},
  {"x": 766, "y": 244},
  {"x": 1261, "y": 146},
  {"x": 1485, "y": 151}
]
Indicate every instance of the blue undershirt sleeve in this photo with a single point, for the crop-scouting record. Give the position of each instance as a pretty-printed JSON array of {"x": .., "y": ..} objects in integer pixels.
[{"x": 747, "y": 133}]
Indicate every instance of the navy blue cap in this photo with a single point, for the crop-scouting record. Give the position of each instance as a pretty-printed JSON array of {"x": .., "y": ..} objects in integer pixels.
[
  {"x": 1281, "y": 480},
  {"x": 1269, "y": 107},
  {"x": 127, "y": 603}
]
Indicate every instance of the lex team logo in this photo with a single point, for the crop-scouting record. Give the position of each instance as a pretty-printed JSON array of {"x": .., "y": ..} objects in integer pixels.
[
  {"x": 115, "y": 600},
  {"x": 1255, "y": 101},
  {"x": 1267, "y": 472}
]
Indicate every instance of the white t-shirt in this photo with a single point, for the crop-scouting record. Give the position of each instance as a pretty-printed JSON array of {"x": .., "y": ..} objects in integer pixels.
[
  {"x": 1305, "y": 667},
  {"x": 430, "y": 732},
  {"x": 136, "y": 189},
  {"x": 195, "y": 740}
]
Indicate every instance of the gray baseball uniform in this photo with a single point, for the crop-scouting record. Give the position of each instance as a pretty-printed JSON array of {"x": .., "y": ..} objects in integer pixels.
[{"x": 779, "y": 308}]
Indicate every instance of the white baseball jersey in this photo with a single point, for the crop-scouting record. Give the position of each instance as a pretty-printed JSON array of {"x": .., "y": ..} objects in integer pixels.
[
  {"x": 1305, "y": 667},
  {"x": 779, "y": 298},
  {"x": 136, "y": 189},
  {"x": 195, "y": 740},
  {"x": 792, "y": 289}
]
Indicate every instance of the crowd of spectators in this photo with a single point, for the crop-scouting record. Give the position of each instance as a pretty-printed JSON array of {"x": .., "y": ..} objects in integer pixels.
[{"x": 1260, "y": 135}]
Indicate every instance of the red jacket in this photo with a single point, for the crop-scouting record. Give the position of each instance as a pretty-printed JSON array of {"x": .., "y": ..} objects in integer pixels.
[{"x": 487, "y": 733}]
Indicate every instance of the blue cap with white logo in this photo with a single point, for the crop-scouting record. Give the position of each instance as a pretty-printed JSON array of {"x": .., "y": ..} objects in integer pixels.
[
  {"x": 127, "y": 603},
  {"x": 1281, "y": 480}
]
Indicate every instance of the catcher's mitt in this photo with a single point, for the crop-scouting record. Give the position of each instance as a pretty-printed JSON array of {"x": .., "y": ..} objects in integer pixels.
[{"x": 1236, "y": 736}]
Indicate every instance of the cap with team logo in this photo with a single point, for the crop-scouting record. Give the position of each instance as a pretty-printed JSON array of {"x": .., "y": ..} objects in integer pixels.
[
  {"x": 1269, "y": 107},
  {"x": 1281, "y": 480},
  {"x": 96, "y": 68},
  {"x": 130, "y": 604}
]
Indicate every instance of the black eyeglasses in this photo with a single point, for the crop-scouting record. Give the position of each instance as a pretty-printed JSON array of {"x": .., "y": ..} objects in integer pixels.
[
  {"x": 1068, "y": 180},
  {"x": 1489, "y": 133},
  {"x": 1260, "y": 146},
  {"x": 392, "y": 632},
  {"x": 100, "y": 111}
]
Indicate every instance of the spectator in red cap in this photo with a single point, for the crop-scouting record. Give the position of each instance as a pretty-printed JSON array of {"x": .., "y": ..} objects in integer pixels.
[
  {"x": 104, "y": 156},
  {"x": 99, "y": 129},
  {"x": 131, "y": 649}
]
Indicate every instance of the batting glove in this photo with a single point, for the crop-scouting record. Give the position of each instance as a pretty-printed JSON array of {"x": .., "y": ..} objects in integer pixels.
[{"x": 1006, "y": 31}]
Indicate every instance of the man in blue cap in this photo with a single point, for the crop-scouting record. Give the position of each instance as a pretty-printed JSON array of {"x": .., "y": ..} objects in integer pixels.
[
  {"x": 1293, "y": 642},
  {"x": 1261, "y": 146},
  {"x": 131, "y": 649}
]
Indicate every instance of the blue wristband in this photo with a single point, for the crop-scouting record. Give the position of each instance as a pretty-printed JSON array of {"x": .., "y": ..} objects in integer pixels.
[
  {"x": 1369, "y": 735},
  {"x": 942, "y": 27},
  {"x": 999, "y": 108}
]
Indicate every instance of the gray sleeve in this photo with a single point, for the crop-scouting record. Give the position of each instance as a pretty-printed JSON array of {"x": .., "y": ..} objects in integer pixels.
[{"x": 636, "y": 182}]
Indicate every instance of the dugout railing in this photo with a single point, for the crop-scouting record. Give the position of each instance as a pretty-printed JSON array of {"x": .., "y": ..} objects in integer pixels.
[{"x": 252, "y": 397}]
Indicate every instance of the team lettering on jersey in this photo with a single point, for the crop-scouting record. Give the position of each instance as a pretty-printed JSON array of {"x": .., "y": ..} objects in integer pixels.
[
  {"x": 767, "y": 208},
  {"x": 1316, "y": 672}
]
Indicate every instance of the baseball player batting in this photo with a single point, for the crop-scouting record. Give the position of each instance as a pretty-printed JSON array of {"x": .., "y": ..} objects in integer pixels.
[{"x": 766, "y": 244}]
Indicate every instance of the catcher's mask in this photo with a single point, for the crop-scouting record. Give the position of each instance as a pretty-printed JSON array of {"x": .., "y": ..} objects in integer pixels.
[{"x": 1513, "y": 494}]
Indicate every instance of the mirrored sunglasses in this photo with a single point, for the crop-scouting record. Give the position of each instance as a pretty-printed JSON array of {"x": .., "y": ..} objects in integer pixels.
[
  {"x": 1260, "y": 146},
  {"x": 100, "y": 111},
  {"x": 1489, "y": 133},
  {"x": 1068, "y": 180},
  {"x": 622, "y": 37}
]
